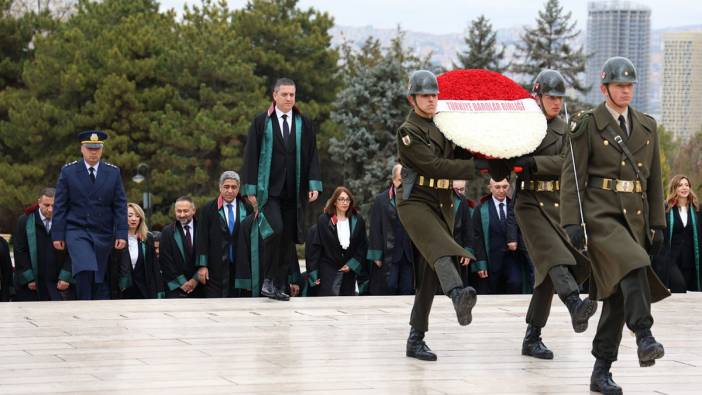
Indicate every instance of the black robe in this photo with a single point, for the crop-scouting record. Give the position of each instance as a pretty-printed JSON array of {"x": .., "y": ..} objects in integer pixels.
[
  {"x": 214, "y": 241},
  {"x": 176, "y": 266},
  {"x": 37, "y": 261},
  {"x": 463, "y": 232},
  {"x": 678, "y": 264},
  {"x": 332, "y": 257},
  {"x": 143, "y": 281},
  {"x": 6, "y": 288},
  {"x": 309, "y": 175},
  {"x": 384, "y": 242}
]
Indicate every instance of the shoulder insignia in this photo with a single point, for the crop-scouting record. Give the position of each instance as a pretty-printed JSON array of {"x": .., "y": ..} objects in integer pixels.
[
  {"x": 578, "y": 122},
  {"x": 406, "y": 140},
  {"x": 69, "y": 164},
  {"x": 111, "y": 165}
]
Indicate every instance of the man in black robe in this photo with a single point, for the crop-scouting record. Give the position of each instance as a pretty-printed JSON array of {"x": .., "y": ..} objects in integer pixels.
[
  {"x": 6, "y": 288},
  {"x": 177, "y": 252},
  {"x": 42, "y": 272},
  {"x": 218, "y": 237},
  {"x": 281, "y": 175},
  {"x": 390, "y": 251},
  {"x": 463, "y": 225}
]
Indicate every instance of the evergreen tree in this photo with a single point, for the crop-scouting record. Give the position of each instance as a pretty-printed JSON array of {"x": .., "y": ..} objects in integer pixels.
[
  {"x": 482, "y": 50},
  {"x": 286, "y": 41},
  {"x": 549, "y": 45},
  {"x": 369, "y": 111}
]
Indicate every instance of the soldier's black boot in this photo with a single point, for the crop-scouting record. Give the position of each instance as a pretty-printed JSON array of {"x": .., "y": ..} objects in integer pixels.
[
  {"x": 648, "y": 348},
  {"x": 417, "y": 348},
  {"x": 601, "y": 380},
  {"x": 463, "y": 298},
  {"x": 580, "y": 311},
  {"x": 533, "y": 346}
]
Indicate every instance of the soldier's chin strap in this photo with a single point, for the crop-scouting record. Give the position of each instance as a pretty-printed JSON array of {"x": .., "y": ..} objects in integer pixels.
[
  {"x": 609, "y": 95},
  {"x": 575, "y": 176}
]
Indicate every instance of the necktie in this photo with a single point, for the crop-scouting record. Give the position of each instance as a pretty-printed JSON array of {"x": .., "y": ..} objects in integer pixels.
[
  {"x": 47, "y": 225},
  {"x": 502, "y": 212},
  {"x": 92, "y": 174},
  {"x": 286, "y": 129},
  {"x": 230, "y": 212},
  {"x": 188, "y": 241},
  {"x": 622, "y": 124}
]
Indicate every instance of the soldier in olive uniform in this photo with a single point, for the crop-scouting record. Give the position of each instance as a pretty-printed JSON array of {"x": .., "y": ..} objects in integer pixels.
[
  {"x": 557, "y": 264},
  {"x": 425, "y": 207},
  {"x": 615, "y": 166}
]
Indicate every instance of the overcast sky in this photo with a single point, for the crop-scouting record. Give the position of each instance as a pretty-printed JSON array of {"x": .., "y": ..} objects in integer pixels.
[{"x": 452, "y": 16}]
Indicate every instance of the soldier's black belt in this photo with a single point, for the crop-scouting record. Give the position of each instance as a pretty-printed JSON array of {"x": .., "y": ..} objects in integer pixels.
[
  {"x": 438, "y": 183},
  {"x": 610, "y": 184},
  {"x": 541, "y": 186}
]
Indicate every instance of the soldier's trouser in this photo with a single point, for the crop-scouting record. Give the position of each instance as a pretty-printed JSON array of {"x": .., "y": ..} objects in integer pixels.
[
  {"x": 445, "y": 270},
  {"x": 561, "y": 280},
  {"x": 630, "y": 304}
]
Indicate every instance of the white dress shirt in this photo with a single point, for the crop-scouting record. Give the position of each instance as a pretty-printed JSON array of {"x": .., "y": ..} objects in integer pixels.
[
  {"x": 43, "y": 220},
  {"x": 133, "y": 249},
  {"x": 87, "y": 167},
  {"x": 226, "y": 211},
  {"x": 497, "y": 206},
  {"x": 683, "y": 215},
  {"x": 192, "y": 231},
  {"x": 343, "y": 232}
]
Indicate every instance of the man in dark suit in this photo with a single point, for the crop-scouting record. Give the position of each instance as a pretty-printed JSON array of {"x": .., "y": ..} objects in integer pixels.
[
  {"x": 42, "y": 272},
  {"x": 499, "y": 266},
  {"x": 281, "y": 175},
  {"x": 390, "y": 252},
  {"x": 220, "y": 226},
  {"x": 177, "y": 252},
  {"x": 90, "y": 216}
]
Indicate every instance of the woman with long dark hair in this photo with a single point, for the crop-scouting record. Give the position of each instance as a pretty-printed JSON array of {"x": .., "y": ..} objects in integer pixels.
[
  {"x": 341, "y": 246},
  {"x": 679, "y": 263}
]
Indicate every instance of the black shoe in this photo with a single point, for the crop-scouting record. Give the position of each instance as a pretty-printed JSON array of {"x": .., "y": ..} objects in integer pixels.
[
  {"x": 463, "y": 301},
  {"x": 280, "y": 295},
  {"x": 580, "y": 311},
  {"x": 648, "y": 348},
  {"x": 417, "y": 348},
  {"x": 267, "y": 289},
  {"x": 533, "y": 346},
  {"x": 601, "y": 380}
]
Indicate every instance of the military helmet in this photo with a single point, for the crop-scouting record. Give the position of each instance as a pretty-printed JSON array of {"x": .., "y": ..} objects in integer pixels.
[
  {"x": 423, "y": 82},
  {"x": 618, "y": 70},
  {"x": 549, "y": 83}
]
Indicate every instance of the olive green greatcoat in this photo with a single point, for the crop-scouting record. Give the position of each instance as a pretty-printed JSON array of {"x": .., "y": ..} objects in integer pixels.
[
  {"x": 538, "y": 213},
  {"x": 428, "y": 214},
  {"x": 618, "y": 223}
]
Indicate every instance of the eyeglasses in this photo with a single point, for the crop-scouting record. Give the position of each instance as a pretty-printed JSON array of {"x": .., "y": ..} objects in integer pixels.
[{"x": 343, "y": 200}]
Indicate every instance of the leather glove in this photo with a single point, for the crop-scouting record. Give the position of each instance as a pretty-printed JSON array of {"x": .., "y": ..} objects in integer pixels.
[
  {"x": 657, "y": 241},
  {"x": 528, "y": 163},
  {"x": 576, "y": 236}
]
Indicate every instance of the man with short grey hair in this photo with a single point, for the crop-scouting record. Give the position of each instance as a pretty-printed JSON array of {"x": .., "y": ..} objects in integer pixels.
[{"x": 218, "y": 234}]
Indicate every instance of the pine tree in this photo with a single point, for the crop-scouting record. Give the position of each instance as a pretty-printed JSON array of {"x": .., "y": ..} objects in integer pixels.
[
  {"x": 482, "y": 50},
  {"x": 549, "y": 45},
  {"x": 369, "y": 111}
]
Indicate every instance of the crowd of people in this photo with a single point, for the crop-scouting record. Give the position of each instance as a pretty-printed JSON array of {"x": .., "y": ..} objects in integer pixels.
[{"x": 587, "y": 213}]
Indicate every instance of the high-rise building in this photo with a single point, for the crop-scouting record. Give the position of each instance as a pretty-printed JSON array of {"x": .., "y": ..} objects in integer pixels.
[
  {"x": 618, "y": 28},
  {"x": 682, "y": 84}
]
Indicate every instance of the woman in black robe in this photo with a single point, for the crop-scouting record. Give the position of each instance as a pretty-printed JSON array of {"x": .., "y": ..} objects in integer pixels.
[
  {"x": 341, "y": 246},
  {"x": 139, "y": 274},
  {"x": 678, "y": 265}
]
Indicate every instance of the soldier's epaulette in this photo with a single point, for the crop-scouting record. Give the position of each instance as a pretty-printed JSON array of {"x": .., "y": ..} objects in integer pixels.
[
  {"x": 69, "y": 164},
  {"x": 578, "y": 123},
  {"x": 111, "y": 165}
]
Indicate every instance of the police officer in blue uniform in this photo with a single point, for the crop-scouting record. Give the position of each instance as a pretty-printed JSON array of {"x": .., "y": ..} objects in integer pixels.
[{"x": 90, "y": 216}]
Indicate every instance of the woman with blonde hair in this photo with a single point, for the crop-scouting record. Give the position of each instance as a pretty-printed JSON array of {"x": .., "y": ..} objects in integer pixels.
[
  {"x": 341, "y": 245},
  {"x": 679, "y": 263},
  {"x": 139, "y": 272}
]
